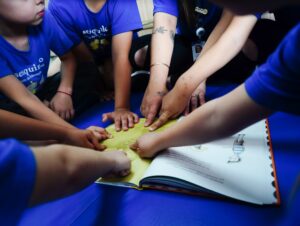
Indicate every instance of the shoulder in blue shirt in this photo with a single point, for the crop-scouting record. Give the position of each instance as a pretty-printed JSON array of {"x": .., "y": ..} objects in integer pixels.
[
  {"x": 17, "y": 179},
  {"x": 276, "y": 83},
  {"x": 166, "y": 6},
  {"x": 96, "y": 28}
]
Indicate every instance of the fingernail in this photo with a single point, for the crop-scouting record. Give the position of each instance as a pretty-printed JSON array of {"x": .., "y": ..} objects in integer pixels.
[{"x": 151, "y": 129}]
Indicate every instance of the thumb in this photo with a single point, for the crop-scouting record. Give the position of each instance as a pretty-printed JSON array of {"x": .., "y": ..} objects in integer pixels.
[{"x": 134, "y": 146}]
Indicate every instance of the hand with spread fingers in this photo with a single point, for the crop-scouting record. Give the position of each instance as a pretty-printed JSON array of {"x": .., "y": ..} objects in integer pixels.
[
  {"x": 173, "y": 105},
  {"x": 123, "y": 118},
  {"x": 197, "y": 99},
  {"x": 147, "y": 145},
  {"x": 151, "y": 104}
]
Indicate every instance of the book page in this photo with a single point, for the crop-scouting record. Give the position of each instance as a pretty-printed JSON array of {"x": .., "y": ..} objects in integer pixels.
[
  {"x": 122, "y": 141},
  {"x": 238, "y": 166}
]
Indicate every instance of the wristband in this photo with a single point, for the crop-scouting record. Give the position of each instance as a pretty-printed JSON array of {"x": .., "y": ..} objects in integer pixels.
[
  {"x": 156, "y": 64},
  {"x": 69, "y": 94}
]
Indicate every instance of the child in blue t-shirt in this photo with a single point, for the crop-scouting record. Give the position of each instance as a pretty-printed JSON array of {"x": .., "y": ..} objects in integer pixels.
[
  {"x": 99, "y": 30},
  {"x": 27, "y": 34},
  {"x": 68, "y": 169}
]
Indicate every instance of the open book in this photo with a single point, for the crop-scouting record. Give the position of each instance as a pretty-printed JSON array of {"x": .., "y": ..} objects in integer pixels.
[{"x": 240, "y": 167}]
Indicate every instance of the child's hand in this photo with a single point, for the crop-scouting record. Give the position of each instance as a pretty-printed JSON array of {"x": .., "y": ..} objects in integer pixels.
[
  {"x": 83, "y": 138},
  {"x": 122, "y": 117},
  {"x": 122, "y": 163},
  {"x": 147, "y": 145},
  {"x": 99, "y": 132},
  {"x": 62, "y": 105}
]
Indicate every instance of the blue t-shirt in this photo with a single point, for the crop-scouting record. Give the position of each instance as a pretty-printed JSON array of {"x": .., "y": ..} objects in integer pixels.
[
  {"x": 17, "y": 179},
  {"x": 30, "y": 67},
  {"x": 166, "y": 6},
  {"x": 96, "y": 29},
  {"x": 207, "y": 15},
  {"x": 276, "y": 83}
]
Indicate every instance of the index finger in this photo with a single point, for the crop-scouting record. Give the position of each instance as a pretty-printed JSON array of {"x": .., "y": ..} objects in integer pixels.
[
  {"x": 151, "y": 115},
  {"x": 160, "y": 121}
]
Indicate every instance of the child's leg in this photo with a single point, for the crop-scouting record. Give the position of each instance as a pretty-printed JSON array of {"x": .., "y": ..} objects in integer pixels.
[{"x": 139, "y": 57}]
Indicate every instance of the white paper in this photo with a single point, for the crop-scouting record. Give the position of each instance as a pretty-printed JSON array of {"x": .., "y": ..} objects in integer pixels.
[{"x": 207, "y": 165}]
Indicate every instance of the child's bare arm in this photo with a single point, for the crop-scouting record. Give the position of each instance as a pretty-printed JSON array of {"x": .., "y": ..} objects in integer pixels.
[
  {"x": 17, "y": 92},
  {"x": 24, "y": 128},
  {"x": 122, "y": 115},
  {"x": 216, "y": 119},
  {"x": 62, "y": 170}
]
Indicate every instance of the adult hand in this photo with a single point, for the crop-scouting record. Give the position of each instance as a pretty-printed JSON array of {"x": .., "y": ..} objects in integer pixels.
[
  {"x": 122, "y": 117},
  {"x": 173, "y": 105},
  {"x": 62, "y": 105},
  {"x": 197, "y": 99},
  {"x": 151, "y": 104},
  {"x": 147, "y": 145}
]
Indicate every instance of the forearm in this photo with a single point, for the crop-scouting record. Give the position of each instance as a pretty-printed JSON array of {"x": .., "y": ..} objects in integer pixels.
[
  {"x": 16, "y": 91},
  {"x": 33, "y": 106},
  {"x": 122, "y": 72},
  {"x": 68, "y": 67},
  {"x": 162, "y": 44},
  {"x": 216, "y": 119},
  {"x": 67, "y": 169},
  {"x": 24, "y": 128},
  {"x": 217, "y": 32},
  {"x": 222, "y": 52}
]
